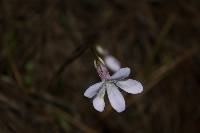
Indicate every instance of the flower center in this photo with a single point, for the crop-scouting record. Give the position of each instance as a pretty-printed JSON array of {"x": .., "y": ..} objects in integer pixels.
[{"x": 101, "y": 92}]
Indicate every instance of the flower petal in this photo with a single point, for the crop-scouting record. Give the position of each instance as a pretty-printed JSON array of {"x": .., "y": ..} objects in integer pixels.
[
  {"x": 112, "y": 63},
  {"x": 101, "y": 50},
  {"x": 92, "y": 90},
  {"x": 115, "y": 97},
  {"x": 121, "y": 74},
  {"x": 99, "y": 103},
  {"x": 130, "y": 86}
]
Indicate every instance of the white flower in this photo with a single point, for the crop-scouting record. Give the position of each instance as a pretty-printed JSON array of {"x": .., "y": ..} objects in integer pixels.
[{"x": 111, "y": 85}]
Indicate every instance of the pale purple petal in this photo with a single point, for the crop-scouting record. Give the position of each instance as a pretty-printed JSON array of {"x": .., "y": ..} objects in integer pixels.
[
  {"x": 121, "y": 74},
  {"x": 130, "y": 86},
  {"x": 92, "y": 90},
  {"x": 112, "y": 63},
  {"x": 115, "y": 97},
  {"x": 99, "y": 103}
]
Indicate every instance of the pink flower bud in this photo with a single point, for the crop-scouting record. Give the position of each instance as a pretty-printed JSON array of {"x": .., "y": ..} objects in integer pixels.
[{"x": 101, "y": 69}]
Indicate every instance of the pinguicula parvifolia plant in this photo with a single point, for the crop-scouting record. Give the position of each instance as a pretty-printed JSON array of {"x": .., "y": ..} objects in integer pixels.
[{"x": 111, "y": 84}]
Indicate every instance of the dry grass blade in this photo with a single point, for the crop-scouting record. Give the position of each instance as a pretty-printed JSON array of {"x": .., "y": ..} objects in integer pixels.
[
  {"x": 75, "y": 54},
  {"x": 162, "y": 72}
]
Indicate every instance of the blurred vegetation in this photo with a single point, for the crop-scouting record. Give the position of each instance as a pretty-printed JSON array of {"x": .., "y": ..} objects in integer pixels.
[{"x": 46, "y": 64}]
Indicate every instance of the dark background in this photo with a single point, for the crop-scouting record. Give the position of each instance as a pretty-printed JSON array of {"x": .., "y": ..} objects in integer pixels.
[{"x": 46, "y": 64}]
